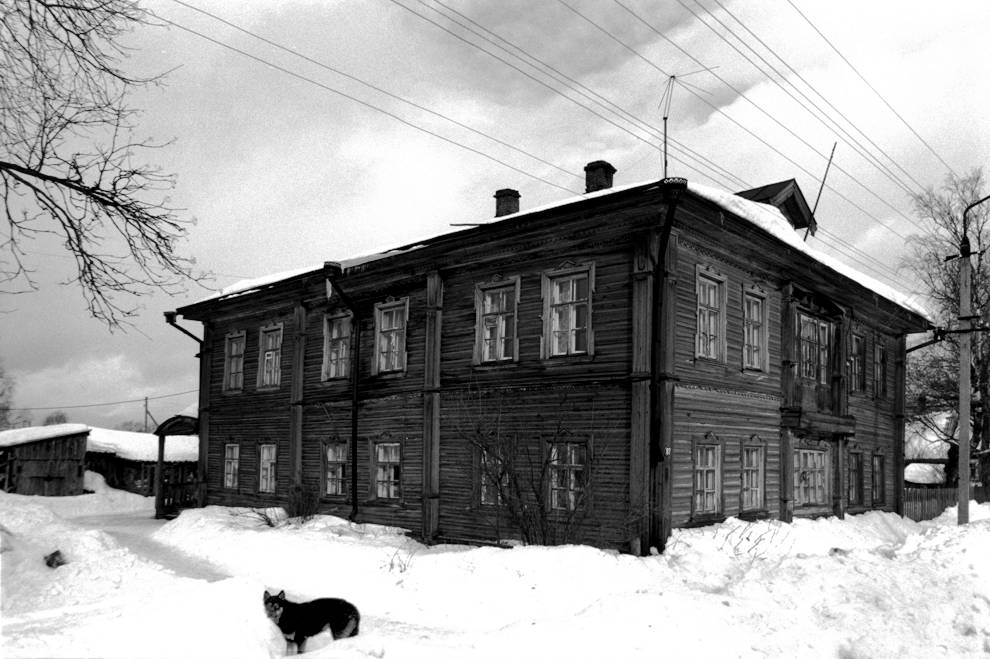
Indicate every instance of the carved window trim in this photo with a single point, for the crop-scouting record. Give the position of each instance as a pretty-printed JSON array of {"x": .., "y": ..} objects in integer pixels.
[
  {"x": 505, "y": 322},
  {"x": 580, "y": 339},
  {"x": 711, "y": 304},
  {"x": 235, "y": 344}
]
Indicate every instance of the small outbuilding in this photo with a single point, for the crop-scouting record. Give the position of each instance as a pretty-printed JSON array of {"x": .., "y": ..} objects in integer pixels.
[
  {"x": 127, "y": 460},
  {"x": 44, "y": 460}
]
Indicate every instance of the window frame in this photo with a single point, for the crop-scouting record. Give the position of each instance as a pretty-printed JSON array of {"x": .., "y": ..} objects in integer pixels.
[
  {"x": 272, "y": 474},
  {"x": 337, "y": 365},
  {"x": 547, "y": 343},
  {"x": 823, "y": 371},
  {"x": 381, "y": 308},
  {"x": 826, "y": 482},
  {"x": 231, "y": 466},
  {"x": 753, "y": 444},
  {"x": 344, "y": 468},
  {"x": 857, "y": 363},
  {"x": 705, "y": 273},
  {"x": 480, "y": 292},
  {"x": 878, "y": 486},
  {"x": 262, "y": 358},
  {"x": 375, "y": 463},
  {"x": 698, "y": 507},
  {"x": 880, "y": 366},
  {"x": 228, "y": 360},
  {"x": 762, "y": 331},
  {"x": 577, "y": 474},
  {"x": 487, "y": 481},
  {"x": 855, "y": 493}
]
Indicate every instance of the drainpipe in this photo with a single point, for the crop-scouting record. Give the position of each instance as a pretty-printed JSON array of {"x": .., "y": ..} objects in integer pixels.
[
  {"x": 332, "y": 271},
  {"x": 202, "y": 413},
  {"x": 661, "y": 428}
]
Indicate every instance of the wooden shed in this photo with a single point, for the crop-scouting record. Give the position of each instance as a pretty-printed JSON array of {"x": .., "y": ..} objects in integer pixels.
[
  {"x": 43, "y": 460},
  {"x": 127, "y": 460}
]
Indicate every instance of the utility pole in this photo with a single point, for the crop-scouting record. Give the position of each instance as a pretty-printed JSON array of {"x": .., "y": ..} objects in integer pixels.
[{"x": 965, "y": 364}]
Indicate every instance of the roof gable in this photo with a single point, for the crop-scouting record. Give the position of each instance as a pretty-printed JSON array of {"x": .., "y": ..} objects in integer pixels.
[{"x": 786, "y": 196}]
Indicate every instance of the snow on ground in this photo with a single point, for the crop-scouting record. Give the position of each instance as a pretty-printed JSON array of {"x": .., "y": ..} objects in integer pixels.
[{"x": 873, "y": 585}]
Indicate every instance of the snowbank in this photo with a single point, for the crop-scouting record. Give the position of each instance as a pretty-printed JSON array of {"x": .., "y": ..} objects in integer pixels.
[{"x": 872, "y": 585}]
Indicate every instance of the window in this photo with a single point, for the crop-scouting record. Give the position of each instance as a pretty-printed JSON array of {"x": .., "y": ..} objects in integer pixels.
[
  {"x": 879, "y": 368},
  {"x": 710, "y": 335},
  {"x": 707, "y": 479},
  {"x": 810, "y": 478},
  {"x": 857, "y": 364},
  {"x": 754, "y": 331},
  {"x": 495, "y": 306},
  {"x": 335, "y": 456},
  {"x": 855, "y": 474},
  {"x": 567, "y": 312},
  {"x": 387, "y": 470},
  {"x": 494, "y": 478},
  {"x": 231, "y": 464},
  {"x": 816, "y": 348},
  {"x": 567, "y": 475},
  {"x": 390, "y": 336},
  {"x": 336, "y": 347},
  {"x": 233, "y": 362},
  {"x": 270, "y": 359},
  {"x": 752, "y": 477},
  {"x": 266, "y": 468},
  {"x": 879, "y": 484}
]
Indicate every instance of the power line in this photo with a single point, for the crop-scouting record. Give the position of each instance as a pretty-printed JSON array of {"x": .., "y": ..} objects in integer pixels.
[
  {"x": 873, "y": 89},
  {"x": 820, "y": 114},
  {"x": 119, "y": 402},
  {"x": 584, "y": 90},
  {"x": 366, "y": 104},
  {"x": 540, "y": 82},
  {"x": 743, "y": 96}
]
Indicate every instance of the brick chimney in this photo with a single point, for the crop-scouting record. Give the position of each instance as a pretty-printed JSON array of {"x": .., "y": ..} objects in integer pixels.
[
  {"x": 598, "y": 176},
  {"x": 506, "y": 202}
]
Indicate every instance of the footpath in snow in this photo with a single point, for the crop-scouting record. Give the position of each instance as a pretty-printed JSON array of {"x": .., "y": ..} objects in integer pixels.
[{"x": 873, "y": 585}]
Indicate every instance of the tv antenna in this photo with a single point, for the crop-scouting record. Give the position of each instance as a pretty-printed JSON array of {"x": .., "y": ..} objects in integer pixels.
[{"x": 668, "y": 97}]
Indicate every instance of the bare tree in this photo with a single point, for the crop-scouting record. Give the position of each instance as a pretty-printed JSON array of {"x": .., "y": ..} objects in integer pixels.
[
  {"x": 933, "y": 373},
  {"x": 69, "y": 163}
]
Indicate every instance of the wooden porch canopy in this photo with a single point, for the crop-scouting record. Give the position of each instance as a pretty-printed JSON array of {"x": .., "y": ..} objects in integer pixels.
[{"x": 179, "y": 424}]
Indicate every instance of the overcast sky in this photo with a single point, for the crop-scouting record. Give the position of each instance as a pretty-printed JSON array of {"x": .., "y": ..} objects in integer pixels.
[{"x": 279, "y": 172}]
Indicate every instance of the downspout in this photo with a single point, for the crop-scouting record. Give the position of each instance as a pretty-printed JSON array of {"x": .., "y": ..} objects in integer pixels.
[
  {"x": 332, "y": 271},
  {"x": 660, "y": 423},
  {"x": 202, "y": 413}
]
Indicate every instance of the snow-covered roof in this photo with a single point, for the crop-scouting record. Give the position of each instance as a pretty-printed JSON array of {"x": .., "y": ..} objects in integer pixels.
[
  {"x": 767, "y": 217},
  {"x": 35, "y": 433},
  {"x": 143, "y": 446}
]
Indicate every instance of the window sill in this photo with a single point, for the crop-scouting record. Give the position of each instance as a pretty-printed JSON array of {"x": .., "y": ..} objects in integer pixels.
[
  {"x": 754, "y": 515},
  {"x": 705, "y": 519},
  {"x": 389, "y": 375},
  {"x": 494, "y": 366},
  {"x": 563, "y": 360}
]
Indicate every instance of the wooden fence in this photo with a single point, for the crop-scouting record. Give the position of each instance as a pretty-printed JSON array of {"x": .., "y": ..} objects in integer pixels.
[{"x": 921, "y": 503}]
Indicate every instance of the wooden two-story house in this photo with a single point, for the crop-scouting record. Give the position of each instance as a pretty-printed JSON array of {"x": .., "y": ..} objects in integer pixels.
[{"x": 600, "y": 370}]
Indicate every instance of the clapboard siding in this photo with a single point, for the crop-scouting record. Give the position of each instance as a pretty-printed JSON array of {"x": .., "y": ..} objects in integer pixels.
[{"x": 640, "y": 400}]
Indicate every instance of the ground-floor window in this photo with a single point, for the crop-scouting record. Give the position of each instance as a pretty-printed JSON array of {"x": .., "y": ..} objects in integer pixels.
[
  {"x": 388, "y": 468},
  {"x": 335, "y": 455},
  {"x": 494, "y": 478},
  {"x": 231, "y": 464},
  {"x": 752, "y": 477},
  {"x": 707, "y": 479},
  {"x": 855, "y": 475},
  {"x": 879, "y": 484},
  {"x": 567, "y": 475},
  {"x": 810, "y": 477},
  {"x": 266, "y": 468}
]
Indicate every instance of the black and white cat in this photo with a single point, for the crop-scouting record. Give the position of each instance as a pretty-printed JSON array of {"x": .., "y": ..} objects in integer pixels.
[{"x": 301, "y": 620}]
